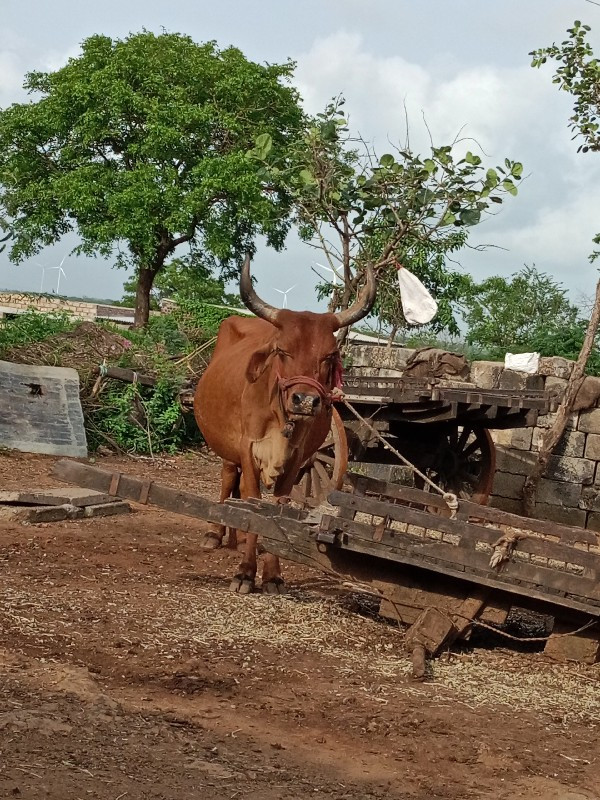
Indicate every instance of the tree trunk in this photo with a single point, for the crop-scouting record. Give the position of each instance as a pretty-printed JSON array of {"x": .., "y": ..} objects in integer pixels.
[
  {"x": 142, "y": 297},
  {"x": 552, "y": 436}
]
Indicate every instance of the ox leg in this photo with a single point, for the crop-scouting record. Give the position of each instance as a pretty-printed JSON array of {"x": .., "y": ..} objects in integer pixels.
[
  {"x": 230, "y": 478},
  {"x": 243, "y": 582},
  {"x": 272, "y": 582}
]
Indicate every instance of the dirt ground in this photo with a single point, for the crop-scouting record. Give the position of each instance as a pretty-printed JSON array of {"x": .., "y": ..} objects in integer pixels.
[{"x": 127, "y": 670}]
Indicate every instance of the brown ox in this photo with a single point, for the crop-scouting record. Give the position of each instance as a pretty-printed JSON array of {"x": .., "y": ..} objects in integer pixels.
[{"x": 264, "y": 403}]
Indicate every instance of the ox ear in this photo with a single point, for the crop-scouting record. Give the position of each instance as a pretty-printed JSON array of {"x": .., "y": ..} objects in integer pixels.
[{"x": 258, "y": 363}]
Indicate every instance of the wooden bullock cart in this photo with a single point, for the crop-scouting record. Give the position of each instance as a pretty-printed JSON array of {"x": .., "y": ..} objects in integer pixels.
[
  {"x": 442, "y": 427},
  {"x": 438, "y": 573}
]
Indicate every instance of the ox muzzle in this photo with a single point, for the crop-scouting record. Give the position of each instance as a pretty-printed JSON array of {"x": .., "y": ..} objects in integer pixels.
[{"x": 297, "y": 402}]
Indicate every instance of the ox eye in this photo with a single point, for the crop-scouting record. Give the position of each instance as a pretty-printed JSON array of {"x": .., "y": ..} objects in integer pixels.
[{"x": 283, "y": 353}]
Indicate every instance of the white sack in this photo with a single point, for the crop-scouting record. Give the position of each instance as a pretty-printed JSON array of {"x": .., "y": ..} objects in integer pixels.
[
  {"x": 418, "y": 305},
  {"x": 522, "y": 362}
]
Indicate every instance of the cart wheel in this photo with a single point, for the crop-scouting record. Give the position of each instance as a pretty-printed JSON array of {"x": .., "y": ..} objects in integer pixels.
[
  {"x": 324, "y": 471},
  {"x": 464, "y": 463}
]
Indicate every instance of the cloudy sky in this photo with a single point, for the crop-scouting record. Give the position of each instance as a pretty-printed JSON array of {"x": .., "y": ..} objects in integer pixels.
[{"x": 462, "y": 65}]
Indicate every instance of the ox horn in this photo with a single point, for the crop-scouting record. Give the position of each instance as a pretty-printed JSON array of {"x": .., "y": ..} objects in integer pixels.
[
  {"x": 363, "y": 304},
  {"x": 251, "y": 300}
]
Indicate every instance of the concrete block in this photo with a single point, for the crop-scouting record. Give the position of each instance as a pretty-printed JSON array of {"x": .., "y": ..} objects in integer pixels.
[
  {"x": 589, "y": 421},
  {"x": 38, "y": 514},
  {"x": 571, "y": 443},
  {"x": 511, "y": 379},
  {"x": 507, "y": 485},
  {"x": 566, "y": 516},
  {"x": 107, "y": 509},
  {"x": 41, "y": 411},
  {"x": 518, "y": 462},
  {"x": 547, "y": 420},
  {"x": 75, "y": 496},
  {"x": 558, "y": 493},
  {"x": 517, "y": 438},
  {"x": 571, "y": 470},
  {"x": 556, "y": 387},
  {"x": 593, "y": 522},
  {"x": 590, "y": 498},
  {"x": 506, "y": 504},
  {"x": 592, "y": 446},
  {"x": 486, "y": 374},
  {"x": 556, "y": 366},
  {"x": 382, "y": 356},
  {"x": 588, "y": 394}
]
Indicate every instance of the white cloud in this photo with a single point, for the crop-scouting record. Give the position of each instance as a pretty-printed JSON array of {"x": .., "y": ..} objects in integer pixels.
[{"x": 510, "y": 111}]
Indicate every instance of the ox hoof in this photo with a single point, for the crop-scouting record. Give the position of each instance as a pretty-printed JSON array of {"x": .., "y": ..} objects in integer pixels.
[
  {"x": 241, "y": 585},
  {"x": 274, "y": 586},
  {"x": 210, "y": 541}
]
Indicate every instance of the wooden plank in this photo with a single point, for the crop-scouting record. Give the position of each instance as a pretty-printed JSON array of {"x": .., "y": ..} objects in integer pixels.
[
  {"x": 567, "y": 533},
  {"x": 490, "y": 579},
  {"x": 459, "y": 556}
]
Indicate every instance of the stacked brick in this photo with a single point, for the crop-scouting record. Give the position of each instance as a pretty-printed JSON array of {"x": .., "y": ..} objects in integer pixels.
[
  {"x": 17, "y": 303},
  {"x": 569, "y": 491}
]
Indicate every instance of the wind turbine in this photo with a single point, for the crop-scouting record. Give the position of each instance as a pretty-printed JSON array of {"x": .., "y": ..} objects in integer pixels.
[
  {"x": 60, "y": 272},
  {"x": 334, "y": 273},
  {"x": 285, "y": 294},
  {"x": 43, "y": 268}
]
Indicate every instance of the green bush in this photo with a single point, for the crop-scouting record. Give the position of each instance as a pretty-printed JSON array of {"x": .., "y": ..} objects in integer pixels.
[
  {"x": 32, "y": 326},
  {"x": 140, "y": 419}
]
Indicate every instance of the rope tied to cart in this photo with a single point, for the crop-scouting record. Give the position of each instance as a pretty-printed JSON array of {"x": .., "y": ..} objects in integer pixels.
[{"x": 449, "y": 498}]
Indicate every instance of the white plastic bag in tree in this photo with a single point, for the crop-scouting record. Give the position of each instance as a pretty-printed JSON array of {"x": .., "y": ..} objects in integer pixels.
[
  {"x": 418, "y": 305},
  {"x": 522, "y": 362}
]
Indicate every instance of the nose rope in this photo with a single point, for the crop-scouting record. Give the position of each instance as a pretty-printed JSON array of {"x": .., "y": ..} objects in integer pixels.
[{"x": 285, "y": 384}]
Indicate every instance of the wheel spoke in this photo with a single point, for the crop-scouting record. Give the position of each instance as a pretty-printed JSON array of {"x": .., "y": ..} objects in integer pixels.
[
  {"x": 463, "y": 438},
  {"x": 325, "y": 459},
  {"x": 324, "y": 477}
]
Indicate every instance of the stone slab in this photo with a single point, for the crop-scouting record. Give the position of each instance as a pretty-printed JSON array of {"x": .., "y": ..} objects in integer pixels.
[
  {"x": 571, "y": 443},
  {"x": 107, "y": 509},
  {"x": 583, "y": 647},
  {"x": 41, "y": 410},
  {"x": 37, "y": 514},
  {"x": 592, "y": 446},
  {"x": 507, "y": 485},
  {"x": 511, "y": 379},
  {"x": 571, "y": 470},
  {"x": 558, "y": 493},
  {"x": 517, "y": 438},
  {"x": 76, "y": 496},
  {"x": 556, "y": 366},
  {"x": 486, "y": 374},
  {"x": 589, "y": 421},
  {"x": 562, "y": 514}
]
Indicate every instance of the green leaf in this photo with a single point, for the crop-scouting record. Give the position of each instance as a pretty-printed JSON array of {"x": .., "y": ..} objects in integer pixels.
[
  {"x": 307, "y": 177},
  {"x": 509, "y": 186},
  {"x": 430, "y": 165},
  {"x": 470, "y": 216},
  {"x": 491, "y": 178},
  {"x": 517, "y": 169},
  {"x": 386, "y": 160}
]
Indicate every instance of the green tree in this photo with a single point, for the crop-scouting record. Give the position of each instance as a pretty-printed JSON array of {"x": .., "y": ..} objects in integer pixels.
[
  {"x": 183, "y": 280},
  {"x": 523, "y": 313},
  {"x": 578, "y": 74},
  {"x": 139, "y": 146},
  {"x": 399, "y": 207}
]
